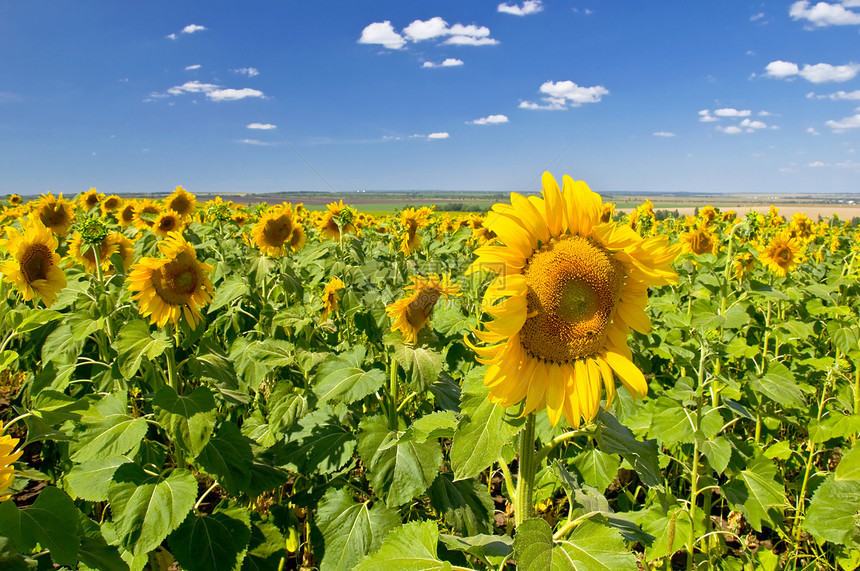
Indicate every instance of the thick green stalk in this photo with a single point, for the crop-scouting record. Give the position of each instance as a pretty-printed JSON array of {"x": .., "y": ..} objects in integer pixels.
[
  {"x": 176, "y": 384},
  {"x": 527, "y": 468},
  {"x": 694, "y": 472}
]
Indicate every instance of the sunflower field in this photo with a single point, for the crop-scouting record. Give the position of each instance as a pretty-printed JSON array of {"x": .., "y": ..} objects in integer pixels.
[{"x": 550, "y": 385}]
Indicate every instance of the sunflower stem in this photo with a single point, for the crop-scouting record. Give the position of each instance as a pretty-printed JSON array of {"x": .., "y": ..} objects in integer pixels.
[
  {"x": 392, "y": 394},
  {"x": 176, "y": 384},
  {"x": 694, "y": 472},
  {"x": 527, "y": 469}
]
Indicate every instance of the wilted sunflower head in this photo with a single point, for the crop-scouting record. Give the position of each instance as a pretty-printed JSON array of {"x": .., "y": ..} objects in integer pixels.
[
  {"x": 34, "y": 266},
  {"x": 568, "y": 290},
  {"x": 55, "y": 214},
  {"x": 409, "y": 315},
  {"x": 172, "y": 286}
]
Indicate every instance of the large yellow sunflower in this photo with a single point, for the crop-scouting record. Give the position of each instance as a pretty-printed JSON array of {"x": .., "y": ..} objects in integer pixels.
[
  {"x": 7, "y": 457},
  {"x": 181, "y": 201},
  {"x": 127, "y": 213},
  {"x": 273, "y": 232},
  {"x": 55, "y": 213},
  {"x": 782, "y": 254},
  {"x": 175, "y": 285},
  {"x": 330, "y": 297},
  {"x": 568, "y": 290},
  {"x": 410, "y": 314},
  {"x": 35, "y": 265}
]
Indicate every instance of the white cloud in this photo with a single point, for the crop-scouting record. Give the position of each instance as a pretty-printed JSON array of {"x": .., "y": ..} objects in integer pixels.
[
  {"x": 758, "y": 16},
  {"x": 191, "y": 67},
  {"x": 823, "y": 72},
  {"x": 528, "y": 7},
  {"x": 438, "y": 135},
  {"x": 781, "y": 69},
  {"x": 812, "y": 131},
  {"x": 706, "y": 117},
  {"x": 233, "y": 94},
  {"x": 261, "y": 126},
  {"x": 426, "y": 29},
  {"x": 191, "y": 28},
  {"x": 817, "y": 73},
  {"x": 729, "y": 112},
  {"x": 751, "y": 125},
  {"x": 192, "y": 87},
  {"x": 490, "y": 120},
  {"x": 663, "y": 134},
  {"x": 842, "y": 95},
  {"x": 825, "y": 14},
  {"x": 730, "y": 130},
  {"x": 212, "y": 91},
  {"x": 436, "y": 27},
  {"x": 560, "y": 94},
  {"x": 248, "y": 71},
  {"x": 852, "y": 122},
  {"x": 449, "y": 62},
  {"x": 382, "y": 33},
  {"x": 817, "y": 164},
  {"x": 257, "y": 143}
]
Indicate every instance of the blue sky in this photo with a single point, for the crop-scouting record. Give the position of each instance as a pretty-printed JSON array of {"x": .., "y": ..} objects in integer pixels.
[{"x": 266, "y": 96}]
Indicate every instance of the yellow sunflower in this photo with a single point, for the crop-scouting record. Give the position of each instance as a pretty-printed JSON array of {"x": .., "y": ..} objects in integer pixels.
[
  {"x": 410, "y": 314},
  {"x": 411, "y": 221},
  {"x": 700, "y": 241},
  {"x": 273, "y": 232},
  {"x": 298, "y": 238},
  {"x": 181, "y": 201},
  {"x": 7, "y": 457},
  {"x": 336, "y": 213},
  {"x": 14, "y": 199},
  {"x": 330, "y": 297},
  {"x": 742, "y": 264},
  {"x": 125, "y": 249},
  {"x": 170, "y": 287},
  {"x": 145, "y": 213},
  {"x": 55, "y": 213},
  {"x": 127, "y": 213},
  {"x": 568, "y": 290},
  {"x": 167, "y": 222},
  {"x": 35, "y": 265},
  {"x": 80, "y": 251},
  {"x": 111, "y": 203},
  {"x": 239, "y": 217},
  {"x": 89, "y": 199},
  {"x": 782, "y": 254}
]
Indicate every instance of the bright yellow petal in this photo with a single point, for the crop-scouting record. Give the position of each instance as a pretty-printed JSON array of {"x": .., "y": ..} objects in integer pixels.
[{"x": 628, "y": 373}]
